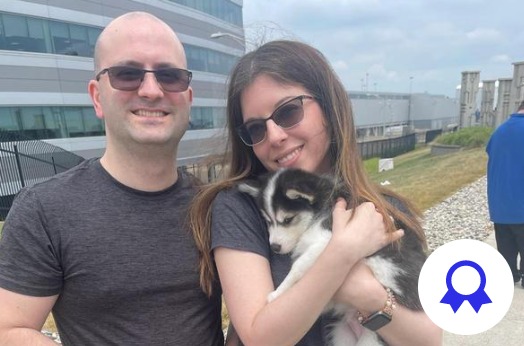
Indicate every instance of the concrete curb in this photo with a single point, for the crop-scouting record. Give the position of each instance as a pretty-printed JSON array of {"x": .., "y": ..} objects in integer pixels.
[{"x": 508, "y": 332}]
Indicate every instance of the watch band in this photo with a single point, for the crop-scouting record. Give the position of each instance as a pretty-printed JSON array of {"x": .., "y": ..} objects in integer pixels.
[{"x": 380, "y": 318}]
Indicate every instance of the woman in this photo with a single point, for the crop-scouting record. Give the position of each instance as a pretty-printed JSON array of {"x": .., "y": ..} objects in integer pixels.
[{"x": 287, "y": 108}]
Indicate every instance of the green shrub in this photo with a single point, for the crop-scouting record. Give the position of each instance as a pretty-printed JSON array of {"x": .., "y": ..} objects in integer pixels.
[{"x": 469, "y": 137}]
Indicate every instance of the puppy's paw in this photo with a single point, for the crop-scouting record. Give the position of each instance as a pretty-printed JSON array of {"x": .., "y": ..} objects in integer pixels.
[{"x": 272, "y": 296}]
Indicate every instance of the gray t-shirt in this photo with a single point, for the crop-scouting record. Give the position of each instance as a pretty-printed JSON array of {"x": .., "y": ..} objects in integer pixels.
[
  {"x": 237, "y": 224},
  {"x": 122, "y": 261}
]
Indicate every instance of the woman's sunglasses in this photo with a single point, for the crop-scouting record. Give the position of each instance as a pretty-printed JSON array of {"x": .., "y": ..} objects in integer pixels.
[
  {"x": 128, "y": 78},
  {"x": 287, "y": 115}
]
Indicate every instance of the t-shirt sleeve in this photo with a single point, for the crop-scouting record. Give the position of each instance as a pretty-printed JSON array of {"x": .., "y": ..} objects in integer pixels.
[
  {"x": 237, "y": 224},
  {"x": 28, "y": 260}
]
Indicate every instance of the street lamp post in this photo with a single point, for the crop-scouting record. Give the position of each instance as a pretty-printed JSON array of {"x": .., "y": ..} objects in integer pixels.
[
  {"x": 409, "y": 103},
  {"x": 238, "y": 39}
]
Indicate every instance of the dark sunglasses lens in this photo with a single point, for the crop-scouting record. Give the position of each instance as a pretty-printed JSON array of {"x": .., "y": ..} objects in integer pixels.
[
  {"x": 289, "y": 114},
  {"x": 125, "y": 78},
  {"x": 256, "y": 131},
  {"x": 130, "y": 78},
  {"x": 173, "y": 79}
]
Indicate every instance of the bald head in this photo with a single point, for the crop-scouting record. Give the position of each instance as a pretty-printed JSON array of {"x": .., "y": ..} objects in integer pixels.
[{"x": 129, "y": 26}]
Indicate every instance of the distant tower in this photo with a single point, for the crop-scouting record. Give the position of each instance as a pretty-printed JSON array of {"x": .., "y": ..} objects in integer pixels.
[
  {"x": 487, "y": 104},
  {"x": 468, "y": 98},
  {"x": 503, "y": 101},
  {"x": 517, "y": 87}
]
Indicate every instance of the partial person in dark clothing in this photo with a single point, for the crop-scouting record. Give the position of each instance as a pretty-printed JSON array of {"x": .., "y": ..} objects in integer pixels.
[
  {"x": 505, "y": 150},
  {"x": 106, "y": 245}
]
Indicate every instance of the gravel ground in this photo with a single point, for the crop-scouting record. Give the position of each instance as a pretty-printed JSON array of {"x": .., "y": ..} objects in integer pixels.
[{"x": 462, "y": 215}]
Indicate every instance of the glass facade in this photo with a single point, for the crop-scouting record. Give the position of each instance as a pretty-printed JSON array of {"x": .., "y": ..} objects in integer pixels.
[
  {"x": 203, "y": 59},
  {"x": 51, "y": 122},
  {"x": 28, "y": 34},
  {"x": 222, "y": 9},
  {"x": 41, "y": 35},
  {"x": 207, "y": 118}
]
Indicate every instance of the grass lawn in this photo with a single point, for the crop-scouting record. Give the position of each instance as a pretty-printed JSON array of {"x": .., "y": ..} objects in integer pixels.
[
  {"x": 424, "y": 179},
  {"x": 427, "y": 180}
]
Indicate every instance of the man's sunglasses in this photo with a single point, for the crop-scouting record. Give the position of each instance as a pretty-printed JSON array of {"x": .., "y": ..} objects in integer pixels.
[
  {"x": 287, "y": 115},
  {"x": 128, "y": 78}
]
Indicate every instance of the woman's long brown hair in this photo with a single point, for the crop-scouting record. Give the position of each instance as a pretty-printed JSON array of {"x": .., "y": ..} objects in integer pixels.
[{"x": 292, "y": 63}]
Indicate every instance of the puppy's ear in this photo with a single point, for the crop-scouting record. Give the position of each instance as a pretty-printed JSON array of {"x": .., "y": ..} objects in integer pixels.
[
  {"x": 250, "y": 187},
  {"x": 295, "y": 194}
]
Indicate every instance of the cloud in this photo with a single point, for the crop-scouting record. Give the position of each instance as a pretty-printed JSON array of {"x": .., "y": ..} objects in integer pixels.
[
  {"x": 484, "y": 35},
  {"x": 503, "y": 58},
  {"x": 379, "y": 71},
  {"x": 340, "y": 65},
  {"x": 392, "y": 40}
]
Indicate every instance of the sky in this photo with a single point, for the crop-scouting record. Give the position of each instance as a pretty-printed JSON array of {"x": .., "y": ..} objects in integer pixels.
[{"x": 399, "y": 45}]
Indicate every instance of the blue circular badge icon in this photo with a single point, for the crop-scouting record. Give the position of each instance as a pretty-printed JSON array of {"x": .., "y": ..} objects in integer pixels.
[
  {"x": 466, "y": 287},
  {"x": 476, "y": 299}
]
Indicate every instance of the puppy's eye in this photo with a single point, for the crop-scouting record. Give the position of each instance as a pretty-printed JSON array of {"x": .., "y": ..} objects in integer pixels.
[{"x": 288, "y": 220}]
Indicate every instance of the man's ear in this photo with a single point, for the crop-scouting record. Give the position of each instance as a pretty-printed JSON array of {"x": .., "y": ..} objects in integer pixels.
[
  {"x": 295, "y": 194},
  {"x": 251, "y": 187},
  {"x": 94, "y": 93}
]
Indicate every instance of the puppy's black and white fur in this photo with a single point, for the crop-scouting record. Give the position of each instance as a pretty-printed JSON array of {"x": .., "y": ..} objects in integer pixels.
[{"x": 297, "y": 206}]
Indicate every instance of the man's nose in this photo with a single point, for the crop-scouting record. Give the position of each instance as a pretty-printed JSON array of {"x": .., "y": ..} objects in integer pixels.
[{"x": 150, "y": 87}]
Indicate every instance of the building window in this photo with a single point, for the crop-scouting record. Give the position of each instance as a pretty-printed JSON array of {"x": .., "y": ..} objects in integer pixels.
[
  {"x": 63, "y": 122},
  {"x": 30, "y": 34},
  {"x": 46, "y": 36},
  {"x": 8, "y": 121},
  {"x": 207, "y": 60},
  {"x": 221, "y": 9},
  {"x": 16, "y": 32},
  {"x": 207, "y": 118},
  {"x": 36, "y": 39},
  {"x": 51, "y": 122}
]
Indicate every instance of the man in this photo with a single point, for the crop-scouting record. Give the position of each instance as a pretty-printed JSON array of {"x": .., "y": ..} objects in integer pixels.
[
  {"x": 506, "y": 189},
  {"x": 105, "y": 246}
]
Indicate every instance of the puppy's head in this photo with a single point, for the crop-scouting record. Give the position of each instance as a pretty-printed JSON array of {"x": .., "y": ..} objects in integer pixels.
[{"x": 290, "y": 201}]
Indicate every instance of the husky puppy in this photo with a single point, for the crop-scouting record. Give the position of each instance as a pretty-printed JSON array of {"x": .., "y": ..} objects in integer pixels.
[{"x": 297, "y": 206}]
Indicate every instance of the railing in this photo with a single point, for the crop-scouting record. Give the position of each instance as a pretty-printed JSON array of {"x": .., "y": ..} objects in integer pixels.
[
  {"x": 432, "y": 134},
  {"x": 386, "y": 148},
  {"x": 25, "y": 162}
]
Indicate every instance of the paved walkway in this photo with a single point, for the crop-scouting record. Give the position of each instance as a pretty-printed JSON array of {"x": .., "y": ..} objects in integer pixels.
[{"x": 509, "y": 331}]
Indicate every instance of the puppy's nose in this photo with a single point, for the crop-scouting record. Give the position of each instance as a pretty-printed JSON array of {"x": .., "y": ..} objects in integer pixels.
[{"x": 276, "y": 248}]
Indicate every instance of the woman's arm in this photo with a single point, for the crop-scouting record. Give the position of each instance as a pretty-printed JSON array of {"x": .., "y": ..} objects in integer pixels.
[
  {"x": 362, "y": 290},
  {"x": 410, "y": 327},
  {"x": 246, "y": 280}
]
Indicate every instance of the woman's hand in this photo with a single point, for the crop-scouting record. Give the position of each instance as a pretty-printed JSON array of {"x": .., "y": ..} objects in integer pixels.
[
  {"x": 365, "y": 233},
  {"x": 361, "y": 289}
]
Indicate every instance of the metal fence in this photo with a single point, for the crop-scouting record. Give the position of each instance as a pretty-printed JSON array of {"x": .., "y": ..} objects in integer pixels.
[
  {"x": 386, "y": 148},
  {"x": 25, "y": 162},
  {"x": 432, "y": 134}
]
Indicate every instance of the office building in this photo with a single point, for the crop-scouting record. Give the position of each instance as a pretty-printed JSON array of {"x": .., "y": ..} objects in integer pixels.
[{"x": 46, "y": 61}]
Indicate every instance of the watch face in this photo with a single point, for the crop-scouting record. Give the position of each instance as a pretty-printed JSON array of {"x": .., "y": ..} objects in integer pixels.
[{"x": 376, "y": 321}]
